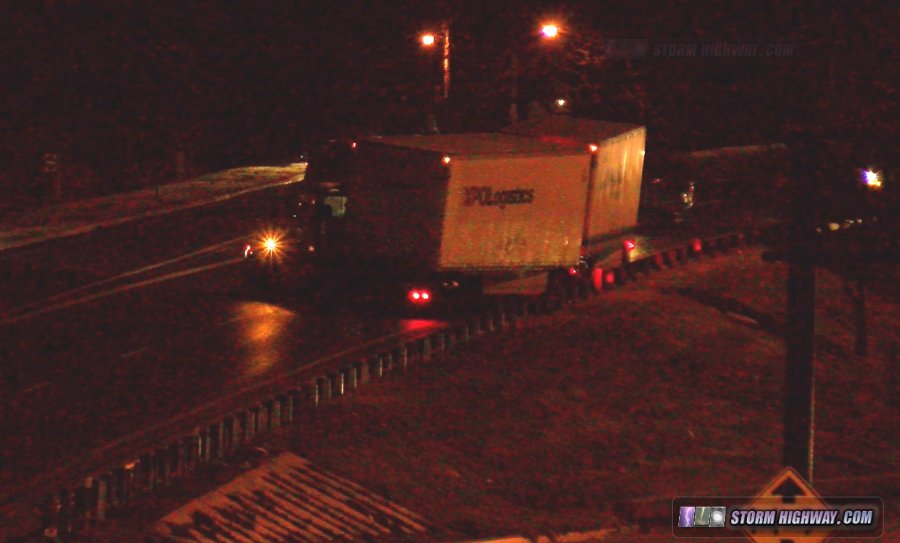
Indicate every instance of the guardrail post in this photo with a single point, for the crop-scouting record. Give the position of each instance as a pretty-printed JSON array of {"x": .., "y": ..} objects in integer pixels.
[
  {"x": 658, "y": 262},
  {"x": 438, "y": 345},
  {"x": 275, "y": 411},
  {"x": 387, "y": 362},
  {"x": 376, "y": 368},
  {"x": 287, "y": 407},
  {"x": 450, "y": 340},
  {"x": 475, "y": 325},
  {"x": 66, "y": 512},
  {"x": 217, "y": 440},
  {"x": 489, "y": 324},
  {"x": 402, "y": 356},
  {"x": 114, "y": 488},
  {"x": 426, "y": 349},
  {"x": 499, "y": 315},
  {"x": 336, "y": 384},
  {"x": 101, "y": 494},
  {"x": 362, "y": 371},
  {"x": 86, "y": 503},
  {"x": 118, "y": 487},
  {"x": 241, "y": 426},
  {"x": 464, "y": 332},
  {"x": 191, "y": 453},
  {"x": 322, "y": 393},
  {"x": 262, "y": 419},
  {"x": 233, "y": 429},
  {"x": 204, "y": 446},
  {"x": 147, "y": 474},
  {"x": 163, "y": 462},
  {"x": 250, "y": 427},
  {"x": 350, "y": 381}
]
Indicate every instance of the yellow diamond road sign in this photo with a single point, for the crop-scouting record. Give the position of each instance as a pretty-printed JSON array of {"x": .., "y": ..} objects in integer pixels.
[{"x": 782, "y": 492}]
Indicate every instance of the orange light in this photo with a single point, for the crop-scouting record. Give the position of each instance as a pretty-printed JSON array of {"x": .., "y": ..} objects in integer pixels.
[
  {"x": 427, "y": 40},
  {"x": 446, "y": 159},
  {"x": 550, "y": 30},
  {"x": 593, "y": 148}
]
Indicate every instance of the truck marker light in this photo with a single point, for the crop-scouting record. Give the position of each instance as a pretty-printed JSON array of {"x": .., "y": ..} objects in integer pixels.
[
  {"x": 446, "y": 159},
  {"x": 610, "y": 278},
  {"x": 353, "y": 145},
  {"x": 629, "y": 245},
  {"x": 593, "y": 148},
  {"x": 573, "y": 271},
  {"x": 248, "y": 250},
  {"x": 697, "y": 245}
]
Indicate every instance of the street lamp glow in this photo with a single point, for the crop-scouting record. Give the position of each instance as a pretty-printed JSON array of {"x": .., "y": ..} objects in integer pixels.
[
  {"x": 560, "y": 102},
  {"x": 550, "y": 30},
  {"x": 872, "y": 179},
  {"x": 427, "y": 40}
]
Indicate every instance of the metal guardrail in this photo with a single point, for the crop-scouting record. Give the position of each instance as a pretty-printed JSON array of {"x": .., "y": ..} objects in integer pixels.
[{"x": 77, "y": 507}]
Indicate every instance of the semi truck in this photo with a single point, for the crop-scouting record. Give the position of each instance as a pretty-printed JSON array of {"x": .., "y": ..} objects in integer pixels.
[{"x": 434, "y": 219}]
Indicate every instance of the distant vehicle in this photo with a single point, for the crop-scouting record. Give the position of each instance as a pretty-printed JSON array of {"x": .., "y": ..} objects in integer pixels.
[
  {"x": 667, "y": 201},
  {"x": 426, "y": 220}
]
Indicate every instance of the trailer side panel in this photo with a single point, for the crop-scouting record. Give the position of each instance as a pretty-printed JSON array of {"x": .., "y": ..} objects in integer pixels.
[{"x": 516, "y": 211}]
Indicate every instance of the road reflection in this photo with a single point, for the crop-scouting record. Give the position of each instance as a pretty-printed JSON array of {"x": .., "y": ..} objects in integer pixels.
[{"x": 260, "y": 328}]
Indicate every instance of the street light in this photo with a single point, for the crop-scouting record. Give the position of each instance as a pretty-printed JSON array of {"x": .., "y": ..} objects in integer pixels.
[
  {"x": 872, "y": 179},
  {"x": 428, "y": 40},
  {"x": 550, "y": 30}
]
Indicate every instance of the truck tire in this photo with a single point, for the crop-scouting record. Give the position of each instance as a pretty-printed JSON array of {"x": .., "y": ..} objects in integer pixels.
[{"x": 558, "y": 293}]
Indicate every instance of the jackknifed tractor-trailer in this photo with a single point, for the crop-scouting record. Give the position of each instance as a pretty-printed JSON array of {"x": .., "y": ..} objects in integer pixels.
[{"x": 428, "y": 220}]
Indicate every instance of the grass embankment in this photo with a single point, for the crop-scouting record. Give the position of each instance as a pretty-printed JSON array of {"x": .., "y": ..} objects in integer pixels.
[{"x": 598, "y": 415}]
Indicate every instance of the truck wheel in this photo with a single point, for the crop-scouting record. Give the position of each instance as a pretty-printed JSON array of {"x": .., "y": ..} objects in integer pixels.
[{"x": 558, "y": 293}]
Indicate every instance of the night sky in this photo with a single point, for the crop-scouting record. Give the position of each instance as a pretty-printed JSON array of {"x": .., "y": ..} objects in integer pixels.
[{"x": 119, "y": 85}]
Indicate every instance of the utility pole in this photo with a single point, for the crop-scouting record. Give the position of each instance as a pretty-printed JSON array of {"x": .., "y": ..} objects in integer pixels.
[
  {"x": 799, "y": 401},
  {"x": 514, "y": 88}
]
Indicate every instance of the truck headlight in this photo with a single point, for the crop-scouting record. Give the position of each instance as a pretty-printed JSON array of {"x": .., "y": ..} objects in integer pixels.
[{"x": 270, "y": 244}]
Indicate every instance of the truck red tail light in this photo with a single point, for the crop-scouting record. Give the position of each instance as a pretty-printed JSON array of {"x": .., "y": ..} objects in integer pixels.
[
  {"x": 419, "y": 296},
  {"x": 629, "y": 245}
]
